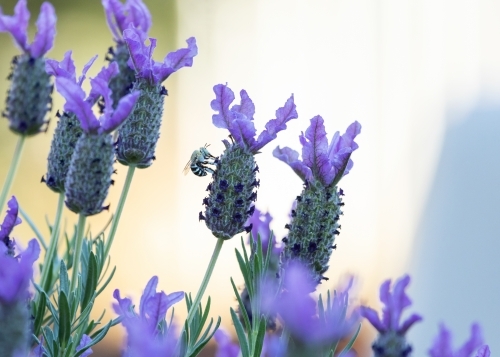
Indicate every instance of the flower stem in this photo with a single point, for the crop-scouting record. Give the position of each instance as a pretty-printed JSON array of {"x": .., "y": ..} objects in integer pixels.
[
  {"x": 205, "y": 281},
  {"x": 78, "y": 251},
  {"x": 12, "y": 170},
  {"x": 54, "y": 238},
  {"x": 119, "y": 209}
]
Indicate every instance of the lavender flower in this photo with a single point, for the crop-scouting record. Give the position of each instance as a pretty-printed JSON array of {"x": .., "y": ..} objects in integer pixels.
[
  {"x": 232, "y": 188},
  {"x": 315, "y": 221},
  {"x": 391, "y": 340},
  {"x": 85, "y": 341},
  {"x": 148, "y": 332},
  {"x": 225, "y": 347},
  {"x": 68, "y": 129},
  {"x": 9, "y": 222},
  {"x": 138, "y": 136},
  {"x": 442, "y": 344},
  {"x": 29, "y": 97},
  {"x": 119, "y": 17},
  {"x": 15, "y": 276},
  {"x": 91, "y": 167}
]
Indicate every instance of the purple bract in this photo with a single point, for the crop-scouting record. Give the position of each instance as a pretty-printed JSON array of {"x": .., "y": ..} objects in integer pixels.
[
  {"x": 11, "y": 219},
  {"x": 66, "y": 68},
  {"x": 395, "y": 303},
  {"x": 443, "y": 348},
  {"x": 120, "y": 16},
  {"x": 225, "y": 347},
  {"x": 260, "y": 227},
  {"x": 141, "y": 56},
  {"x": 17, "y": 26},
  {"x": 239, "y": 118},
  {"x": 321, "y": 161}
]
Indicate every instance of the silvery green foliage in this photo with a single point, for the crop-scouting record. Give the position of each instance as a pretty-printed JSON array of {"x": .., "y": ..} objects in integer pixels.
[
  {"x": 231, "y": 192},
  {"x": 66, "y": 135},
  {"x": 313, "y": 229},
  {"x": 89, "y": 174},
  {"x": 138, "y": 135},
  {"x": 121, "y": 84},
  {"x": 29, "y": 97}
]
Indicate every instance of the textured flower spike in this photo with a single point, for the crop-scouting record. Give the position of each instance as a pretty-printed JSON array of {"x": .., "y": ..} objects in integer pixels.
[
  {"x": 137, "y": 138},
  {"x": 15, "y": 276},
  {"x": 231, "y": 191},
  {"x": 9, "y": 222},
  {"x": 148, "y": 332},
  {"x": 391, "y": 340},
  {"x": 68, "y": 129},
  {"x": 119, "y": 17},
  {"x": 443, "y": 348},
  {"x": 29, "y": 96},
  {"x": 91, "y": 166},
  {"x": 315, "y": 220}
]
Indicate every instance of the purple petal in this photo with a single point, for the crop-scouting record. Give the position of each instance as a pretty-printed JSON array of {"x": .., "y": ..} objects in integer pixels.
[
  {"x": 483, "y": 351},
  {"x": 139, "y": 15},
  {"x": 86, "y": 67},
  {"x": 224, "y": 96},
  {"x": 65, "y": 68},
  {"x": 176, "y": 60},
  {"x": 246, "y": 106},
  {"x": 11, "y": 219},
  {"x": 291, "y": 157},
  {"x": 17, "y": 25},
  {"x": 405, "y": 326},
  {"x": 315, "y": 148},
  {"x": 283, "y": 115},
  {"x": 75, "y": 103},
  {"x": 46, "y": 31},
  {"x": 100, "y": 85},
  {"x": 475, "y": 340},
  {"x": 140, "y": 54},
  {"x": 174, "y": 298},
  {"x": 243, "y": 132},
  {"x": 85, "y": 341},
  {"x": 149, "y": 291},
  {"x": 261, "y": 227},
  {"x": 399, "y": 302},
  {"x": 155, "y": 310},
  {"x": 125, "y": 106},
  {"x": 225, "y": 347},
  {"x": 372, "y": 316},
  {"x": 115, "y": 15},
  {"x": 124, "y": 306},
  {"x": 442, "y": 344},
  {"x": 341, "y": 148}
]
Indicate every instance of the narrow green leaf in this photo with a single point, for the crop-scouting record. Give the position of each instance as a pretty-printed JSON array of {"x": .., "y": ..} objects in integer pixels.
[
  {"x": 330, "y": 354},
  {"x": 243, "y": 310},
  {"x": 321, "y": 308},
  {"x": 34, "y": 228},
  {"x": 349, "y": 345},
  {"x": 240, "y": 332},
  {"x": 63, "y": 279},
  {"x": 91, "y": 283},
  {"x": 64, "y": 319},
  {"x": 99, "y": 335},
  {"x": 259, "y": 341},
  {"x": 245, "y": 272},
  {"x": 40, "y": 312},
  {"x": 107, "y": 282},
  {"x": 205, "y": 339}
]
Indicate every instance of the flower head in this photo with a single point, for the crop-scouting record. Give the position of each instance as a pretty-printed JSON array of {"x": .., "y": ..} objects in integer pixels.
[
  {"x": 239, "y": 118},
  {"x": 141, "y": 56},
  {"x": 17, "y": 26},
  {"x": 324, "y": 162},
  {"x": 443, "y": 347},
  {"x": 120, "y": 16},
  {"x": 148, "y": 332},
  {"x": 9, "y": 222}
]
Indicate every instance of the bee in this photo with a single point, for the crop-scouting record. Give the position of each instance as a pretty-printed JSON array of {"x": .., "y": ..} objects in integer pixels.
[{"x": 200, "y": 158}]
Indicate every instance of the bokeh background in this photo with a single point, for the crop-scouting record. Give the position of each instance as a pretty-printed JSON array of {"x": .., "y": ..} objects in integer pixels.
[{"x": 422, "y": 77}]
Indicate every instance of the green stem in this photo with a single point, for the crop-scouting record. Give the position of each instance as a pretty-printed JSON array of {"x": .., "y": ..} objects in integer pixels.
[
  {"x": 119, "y": 209},
  {"x": 54, "y": 238},
  {"x": 205, "y": 281},
  {"x": 12, "y": 171},
  {"x": 78, "y": 251}
]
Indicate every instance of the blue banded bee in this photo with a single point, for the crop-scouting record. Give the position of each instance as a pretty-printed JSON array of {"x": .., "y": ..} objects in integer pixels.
[{"x": 200, "y": 158}]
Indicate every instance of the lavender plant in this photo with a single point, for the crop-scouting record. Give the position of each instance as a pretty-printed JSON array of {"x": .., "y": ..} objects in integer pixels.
[{"x": 277, "y": 315}]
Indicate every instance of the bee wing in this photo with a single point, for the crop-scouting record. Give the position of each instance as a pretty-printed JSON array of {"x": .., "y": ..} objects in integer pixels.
[{"x": 187, "y": 167}]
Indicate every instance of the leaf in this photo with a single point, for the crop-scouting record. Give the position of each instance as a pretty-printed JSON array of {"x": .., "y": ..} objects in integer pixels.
[
  {"x": 33, "y": 227},
  {"x": 240, "y": 332},
  {"x": 40, "y": 312},
  {"x": 243, "y": 310},
  {"x": 91, "y": 283},
  {"x": 245, "y": 272},
  {"x": 205, "y": 339},
  {"x": 63, "y": 279},
  {"x": 64, "y": 319},
  {"x": 107, "y": 282},
  {"x": 259, "y": 341},
  {"x": 349, "y": 345}
]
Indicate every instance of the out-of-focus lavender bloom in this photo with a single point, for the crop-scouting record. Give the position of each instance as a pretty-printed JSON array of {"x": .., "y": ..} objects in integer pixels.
[
  {"x": 86, "y": 340},
  {"x": 141, "y": 57},
  {"x": 17, "y": 26},
  {"x": 120, "y": 16},
  {"x": 321, "y": 161},
  {"x": 225, "y": 347},
  {"x": 391, "y": 340},
  {"x": 9, "y": 222},
  {"x": 239, "y": 118},
  {"x": 443, "y": 344},
  {"x": 146, "y": 330},
  {"x": 260, "y": 223}
]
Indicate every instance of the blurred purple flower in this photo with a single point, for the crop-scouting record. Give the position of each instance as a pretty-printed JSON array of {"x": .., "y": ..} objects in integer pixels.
[
  {"x": 225, "y": 347},
  {"x": 321, "y": 161},
  {"x": 82, "y": 108},
  {"x": 260, "y": 223},
  {"x": 442, "y": 344},
  {"x": 152, "y": 310},
  {"x": 17, "y": 26},
  {"x": 395, "y": 303},
  {"x": 16, "y": 273},
  {"x": 141, "y": 56},
  {"x": 85, "y": 340},
  {"x": 11, "y": 219},
  {"x": 66, "y": 68},
  {"x": 239, "y": 118},
  {"x": 120, "y": 16}
]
